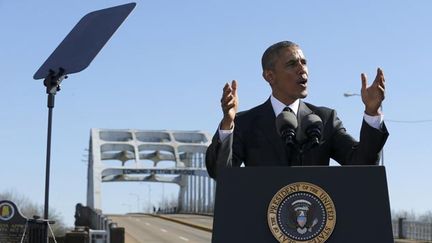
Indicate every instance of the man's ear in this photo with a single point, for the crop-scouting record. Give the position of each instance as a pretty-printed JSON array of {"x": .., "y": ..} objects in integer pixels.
[{"x": 268, "y": 76}]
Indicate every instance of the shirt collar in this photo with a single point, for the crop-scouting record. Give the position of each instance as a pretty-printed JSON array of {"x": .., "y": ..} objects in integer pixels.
[{"x": 279, "y": 106}]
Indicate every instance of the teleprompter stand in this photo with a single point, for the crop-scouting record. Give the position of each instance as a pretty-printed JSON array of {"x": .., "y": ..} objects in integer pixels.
[
  {"x": 74, "y": 54},
  {"x": 359, "y": 194}
]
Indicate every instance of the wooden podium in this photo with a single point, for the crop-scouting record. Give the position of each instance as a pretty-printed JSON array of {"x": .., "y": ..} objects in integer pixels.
[{"x": 302, "y": 204}]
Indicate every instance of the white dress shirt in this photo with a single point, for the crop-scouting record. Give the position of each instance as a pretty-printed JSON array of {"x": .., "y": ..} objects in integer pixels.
[{"x": 373, "y": 121}]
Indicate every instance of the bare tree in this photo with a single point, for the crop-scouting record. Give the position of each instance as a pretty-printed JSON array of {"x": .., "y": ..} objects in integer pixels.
[
  {"x": 406, "y": 215},
  {"x": 169, "y": 204},
  {"x": 412, "y": 216},
  {"x": 30, "y": 209},
  {"x": 426, "y": 217}
]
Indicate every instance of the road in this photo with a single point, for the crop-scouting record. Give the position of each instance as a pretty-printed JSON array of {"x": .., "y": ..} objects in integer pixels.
[
  {"x": 150, "y": 229},
  {"x": 199, "y": 220},
  {"x": 145, "y": 228}
]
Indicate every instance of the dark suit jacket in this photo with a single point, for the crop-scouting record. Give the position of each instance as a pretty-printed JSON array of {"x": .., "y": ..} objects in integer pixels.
[{"x": 255, "y": 142}]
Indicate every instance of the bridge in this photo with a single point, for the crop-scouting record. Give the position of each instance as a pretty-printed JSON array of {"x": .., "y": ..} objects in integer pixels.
[
  {"x": 134, "y": 155},
  {"x": 130, "y": 155}
]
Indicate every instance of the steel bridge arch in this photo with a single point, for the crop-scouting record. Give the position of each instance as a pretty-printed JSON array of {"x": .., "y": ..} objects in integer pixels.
[{"x": 130, "y": 147}]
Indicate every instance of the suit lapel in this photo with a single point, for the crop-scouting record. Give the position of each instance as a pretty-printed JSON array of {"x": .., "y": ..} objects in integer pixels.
[
  {"x": 266, "y": 122},
  {"x": 301, "y": 113}
]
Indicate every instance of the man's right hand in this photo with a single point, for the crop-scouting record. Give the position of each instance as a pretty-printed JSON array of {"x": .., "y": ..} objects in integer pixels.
[{"x": 229, "y": 103}]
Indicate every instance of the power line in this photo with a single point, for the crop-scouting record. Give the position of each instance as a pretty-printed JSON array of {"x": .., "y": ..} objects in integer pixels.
[
  {"x": 404, "y": 121},
  {"x": 349, "y": 94}
]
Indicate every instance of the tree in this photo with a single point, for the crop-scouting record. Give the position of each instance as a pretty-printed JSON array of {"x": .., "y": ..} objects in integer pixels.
[
  {"x": 30, "y": 209},
  {"x": 168, "y": 204},
  {"x": 412, "y": 216},
  {"x": 409, "y": 216},
  {"x": 426, "y": 217}
]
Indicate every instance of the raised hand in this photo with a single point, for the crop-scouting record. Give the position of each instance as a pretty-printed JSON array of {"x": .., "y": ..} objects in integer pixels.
[
  {"x": 373, "y": 95},
  {"x": 229, "y": 103}
]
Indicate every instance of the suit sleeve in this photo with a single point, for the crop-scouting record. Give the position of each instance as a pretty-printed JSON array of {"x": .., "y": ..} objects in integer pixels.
[
  {"x": 347, "y": 151},
  {"x": 224, "y": 154}
]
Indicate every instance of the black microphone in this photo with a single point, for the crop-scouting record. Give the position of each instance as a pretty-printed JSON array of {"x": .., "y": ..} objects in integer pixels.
[
  {"x": 286, "y": 125},
  {"x": 312, "y": 126}
]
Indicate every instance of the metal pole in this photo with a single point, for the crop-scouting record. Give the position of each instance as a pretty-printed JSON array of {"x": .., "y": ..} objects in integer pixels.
[
  {"x": 47, "y": 168},
  {"x": 149, "y": 199},
  {"x": 51, "y": 99},
  {"x": 164, "y": 203}
]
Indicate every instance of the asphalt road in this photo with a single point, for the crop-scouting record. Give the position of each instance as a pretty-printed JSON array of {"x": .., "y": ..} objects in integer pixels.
[
  {"x": 201, "y": 220},
  {"x": 149, "y": 229},
  {"x": 145, "y": 228}
]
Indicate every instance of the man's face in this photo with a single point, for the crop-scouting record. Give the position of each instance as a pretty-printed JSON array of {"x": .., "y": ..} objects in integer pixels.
[{"x": 288, "y": 78}]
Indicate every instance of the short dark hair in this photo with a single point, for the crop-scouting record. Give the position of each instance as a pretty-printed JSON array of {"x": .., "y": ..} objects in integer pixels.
[{"x": 270, "y": 55}]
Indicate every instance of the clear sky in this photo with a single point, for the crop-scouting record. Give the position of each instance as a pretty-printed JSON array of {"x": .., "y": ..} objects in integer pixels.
[{"x": 166, "y": 66}]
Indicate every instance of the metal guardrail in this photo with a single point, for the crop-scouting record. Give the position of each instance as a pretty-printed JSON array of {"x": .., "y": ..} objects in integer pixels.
[
  {"x": 403, "y": 229},
  {"x": 94, "y": 227}
]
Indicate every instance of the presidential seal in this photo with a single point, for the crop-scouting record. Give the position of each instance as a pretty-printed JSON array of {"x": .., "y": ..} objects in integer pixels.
[
  {"x": 7, "y": 211},
  {"x": 301, "y": 212}
]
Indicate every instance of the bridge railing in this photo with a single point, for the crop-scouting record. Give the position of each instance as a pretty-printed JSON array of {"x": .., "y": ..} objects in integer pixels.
[
  {"x": 93, "y": 226},
  {"x": 403, "y": 229}
]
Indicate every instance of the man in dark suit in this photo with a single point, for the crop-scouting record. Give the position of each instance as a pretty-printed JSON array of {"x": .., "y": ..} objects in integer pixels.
[{"x": 250, "y": 137}]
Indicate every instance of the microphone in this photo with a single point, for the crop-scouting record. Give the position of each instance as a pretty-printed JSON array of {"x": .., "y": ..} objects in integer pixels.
[
  {"x": 286, "y": 125},
  {"x": 312, "y": 126}
]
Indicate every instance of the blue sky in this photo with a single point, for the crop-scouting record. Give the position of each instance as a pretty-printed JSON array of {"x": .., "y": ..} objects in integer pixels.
[{"x": 166, "y": 66}]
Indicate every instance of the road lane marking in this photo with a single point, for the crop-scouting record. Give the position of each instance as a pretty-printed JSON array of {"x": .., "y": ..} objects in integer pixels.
[
  {"x": 183, "y": 238},
  {"x": 163, "y": 230},
  {"x": 148, "y": 224}
]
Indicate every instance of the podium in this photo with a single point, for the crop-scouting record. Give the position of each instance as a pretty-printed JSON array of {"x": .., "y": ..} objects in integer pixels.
[{"x": 302, "y": 204}]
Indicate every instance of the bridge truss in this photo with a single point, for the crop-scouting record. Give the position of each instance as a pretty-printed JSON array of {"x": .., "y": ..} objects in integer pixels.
[{"x": 133, "y": 149}]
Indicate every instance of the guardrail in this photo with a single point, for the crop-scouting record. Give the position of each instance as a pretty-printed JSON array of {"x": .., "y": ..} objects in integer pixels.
[
  {"x": 92, "y": 226},
  {"x": 403, "y": 229}
]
